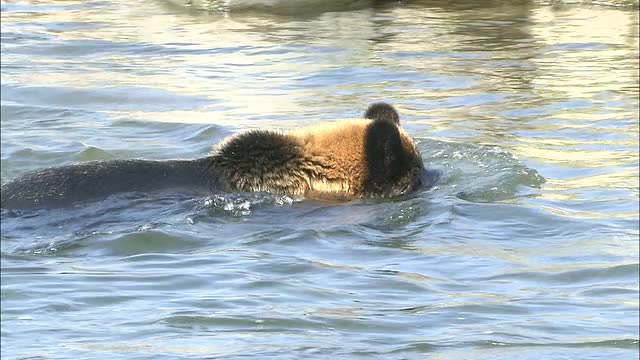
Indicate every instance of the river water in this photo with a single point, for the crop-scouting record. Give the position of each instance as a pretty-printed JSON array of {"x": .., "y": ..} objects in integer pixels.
[{"x": 527, "y": 248}]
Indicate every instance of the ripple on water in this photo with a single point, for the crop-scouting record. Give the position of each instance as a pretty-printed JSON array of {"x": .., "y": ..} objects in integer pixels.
[
  {"x": 593, "y": 275},
  {"x": 106, "y": 99},
  {"x": 479, "y": 173}
]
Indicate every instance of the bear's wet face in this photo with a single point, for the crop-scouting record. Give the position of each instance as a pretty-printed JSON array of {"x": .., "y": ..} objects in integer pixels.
[
  {"x": 382, "y": 111},
  {"x": 391, "y": 165}
]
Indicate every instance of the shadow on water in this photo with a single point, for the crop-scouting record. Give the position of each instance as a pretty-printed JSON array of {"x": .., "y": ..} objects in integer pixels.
[
  {"x": 302, "y": 8},
  {"x": 311, "y": 7}
]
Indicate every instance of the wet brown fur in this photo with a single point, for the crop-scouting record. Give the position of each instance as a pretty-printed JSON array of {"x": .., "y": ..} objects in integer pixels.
[{"x": 351, "y": 159}]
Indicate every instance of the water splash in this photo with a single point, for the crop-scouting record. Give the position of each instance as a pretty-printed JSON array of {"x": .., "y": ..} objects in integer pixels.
[
  {"x": 479, "y": 173},
  {"x": 241, "y": 204}
]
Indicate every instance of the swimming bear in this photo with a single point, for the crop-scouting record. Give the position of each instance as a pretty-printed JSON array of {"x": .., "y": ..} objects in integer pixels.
[{"x": 363, "y": 158}]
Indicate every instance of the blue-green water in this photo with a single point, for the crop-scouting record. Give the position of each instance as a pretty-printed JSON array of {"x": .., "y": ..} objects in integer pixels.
[{"x": 528, "y": 248}]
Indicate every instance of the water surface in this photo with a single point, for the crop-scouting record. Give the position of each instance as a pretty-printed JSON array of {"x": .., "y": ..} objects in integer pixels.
[{"x": 527, "y": 248}]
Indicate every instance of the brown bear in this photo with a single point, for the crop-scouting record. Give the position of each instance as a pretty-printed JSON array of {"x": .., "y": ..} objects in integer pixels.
[{"x": 363, "y": 158}]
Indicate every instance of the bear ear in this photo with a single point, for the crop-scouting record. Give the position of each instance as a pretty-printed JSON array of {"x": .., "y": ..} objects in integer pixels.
[
  {"x": 382, "y": 111},
  {"x": 387, "y": 160}
]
